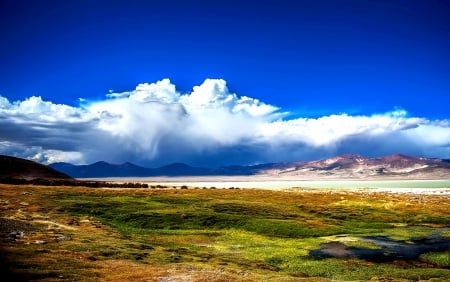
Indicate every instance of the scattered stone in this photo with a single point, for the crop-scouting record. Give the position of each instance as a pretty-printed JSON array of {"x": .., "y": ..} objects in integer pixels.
[
  {"x": 40, "y": 242},
  {"x": 63, "y": 238},
  {"x": 15, "y": 235}
]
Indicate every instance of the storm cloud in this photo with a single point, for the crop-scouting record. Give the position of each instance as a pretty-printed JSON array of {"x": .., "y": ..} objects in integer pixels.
[{"x": 155, "y": 124}]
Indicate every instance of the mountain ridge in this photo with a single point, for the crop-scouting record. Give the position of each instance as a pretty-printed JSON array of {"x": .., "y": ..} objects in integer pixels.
[
  {"x": 342, "y": 166},
  {"x": 17, "y": 168}
]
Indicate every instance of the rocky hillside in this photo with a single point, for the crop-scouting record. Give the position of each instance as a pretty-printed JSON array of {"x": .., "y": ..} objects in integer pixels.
[
  {"x": 344, "y": 166},
  {"x": 356, "y": 166}
]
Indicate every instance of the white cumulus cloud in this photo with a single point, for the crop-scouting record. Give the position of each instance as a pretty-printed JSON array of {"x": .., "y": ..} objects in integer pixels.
[{"x": 155, "y": 124}]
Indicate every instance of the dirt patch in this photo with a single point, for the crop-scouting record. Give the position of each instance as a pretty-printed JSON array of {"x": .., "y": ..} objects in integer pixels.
[
  {"x": 124, "y": 270},
  {"x": 8, "y": 225}
]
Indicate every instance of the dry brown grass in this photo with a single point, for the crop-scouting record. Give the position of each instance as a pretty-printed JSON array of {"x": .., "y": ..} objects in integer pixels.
[{"x": 99, "y": 252}]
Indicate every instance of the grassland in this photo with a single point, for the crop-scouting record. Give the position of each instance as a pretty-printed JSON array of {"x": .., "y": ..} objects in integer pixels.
[{"x": 87, "y": 234}]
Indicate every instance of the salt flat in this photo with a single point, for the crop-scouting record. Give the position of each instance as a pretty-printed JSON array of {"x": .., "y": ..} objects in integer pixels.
[{"x": 422, "y": 186}]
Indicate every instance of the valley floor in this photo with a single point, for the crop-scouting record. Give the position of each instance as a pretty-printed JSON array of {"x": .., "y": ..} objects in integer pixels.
[{"x": 195, "y": 234}]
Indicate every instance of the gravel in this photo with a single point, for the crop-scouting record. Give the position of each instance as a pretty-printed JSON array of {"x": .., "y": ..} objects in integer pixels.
[{"x": 7, "y": 226}]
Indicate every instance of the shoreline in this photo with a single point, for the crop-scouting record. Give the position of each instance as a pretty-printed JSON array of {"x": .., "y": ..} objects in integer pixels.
[
  {"x": 414, "y": 186},
  {"x": 258, "y": 178}
]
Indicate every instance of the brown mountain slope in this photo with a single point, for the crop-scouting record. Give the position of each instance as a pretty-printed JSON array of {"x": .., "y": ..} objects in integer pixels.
[
  {"x": 355, "y": 166},
  {"x": 16, "y": 168}
]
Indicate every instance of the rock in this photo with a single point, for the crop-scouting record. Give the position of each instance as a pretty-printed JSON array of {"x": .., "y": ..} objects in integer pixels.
[
  {"x": 16, "y": 235},
  {"x": 63, "y": 238},
  {"x": 73, "y": 221}
]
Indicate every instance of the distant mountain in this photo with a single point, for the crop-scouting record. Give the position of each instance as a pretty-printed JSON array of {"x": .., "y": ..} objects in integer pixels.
[
  {"x": 345, "y": 166},
  {"x": 17, "y": 168},
  {"x": 102, "y": 169},
  {"x": 339, "y": 167},
  {"x": 356, "y": 166}
]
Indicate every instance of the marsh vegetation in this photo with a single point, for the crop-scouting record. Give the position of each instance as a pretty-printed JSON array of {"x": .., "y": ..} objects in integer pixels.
[{"x": 74, "y": 233}]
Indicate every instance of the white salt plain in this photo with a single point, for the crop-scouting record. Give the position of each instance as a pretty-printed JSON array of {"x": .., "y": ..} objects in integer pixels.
[{"x": 439, "y": 187}]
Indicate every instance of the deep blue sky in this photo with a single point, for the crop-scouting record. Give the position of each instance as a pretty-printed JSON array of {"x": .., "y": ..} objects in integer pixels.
[
  {"x": 312, "y": 58},
  {"x": 324, "y": 77}
]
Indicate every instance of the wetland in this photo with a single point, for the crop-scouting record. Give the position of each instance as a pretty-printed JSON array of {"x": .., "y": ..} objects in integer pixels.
[{"x": 195, "y": 234}]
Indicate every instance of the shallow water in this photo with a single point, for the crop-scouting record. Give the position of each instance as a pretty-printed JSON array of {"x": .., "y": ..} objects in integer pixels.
[{"x": 390, "y": 250}]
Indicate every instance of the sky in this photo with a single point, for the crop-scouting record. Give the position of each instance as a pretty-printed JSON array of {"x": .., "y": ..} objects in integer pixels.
[{"x": 214, "y": 83}]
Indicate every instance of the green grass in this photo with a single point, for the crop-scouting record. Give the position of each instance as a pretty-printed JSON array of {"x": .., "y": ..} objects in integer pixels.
[
  {"x": 441, "y": 258},
  {"x": 264, "y": 233}
]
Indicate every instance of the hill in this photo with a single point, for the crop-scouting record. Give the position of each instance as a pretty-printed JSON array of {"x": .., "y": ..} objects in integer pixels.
[
  {"x": 17, "y": 168},
  {"x": 101, "y": 169},
  {"x": 345, "y": 166},
  {"x": 355, "y": 166},
  {"x": 104, "y": 169}
]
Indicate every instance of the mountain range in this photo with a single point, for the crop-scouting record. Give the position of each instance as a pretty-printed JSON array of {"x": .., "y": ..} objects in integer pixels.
[{"x": 345, "y": 166}]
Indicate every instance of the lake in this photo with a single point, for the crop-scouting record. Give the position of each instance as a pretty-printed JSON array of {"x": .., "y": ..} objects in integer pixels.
[{"x": 414, "y": 186}]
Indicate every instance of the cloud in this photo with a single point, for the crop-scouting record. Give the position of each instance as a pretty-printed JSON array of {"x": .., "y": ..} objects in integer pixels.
[{"x": 154, "y": 124}]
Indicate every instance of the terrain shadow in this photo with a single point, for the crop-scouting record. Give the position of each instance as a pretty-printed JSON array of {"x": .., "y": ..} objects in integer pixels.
[{"x": 389, "y": 250}]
